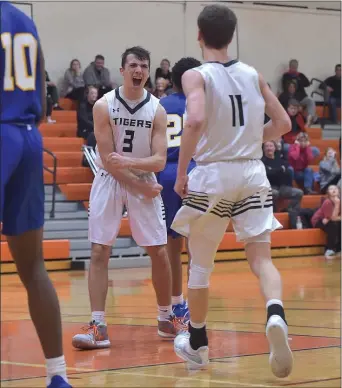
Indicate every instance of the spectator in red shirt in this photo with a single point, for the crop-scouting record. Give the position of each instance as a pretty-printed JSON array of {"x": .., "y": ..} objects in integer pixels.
[
  {"x": 328, "y": 218},
  {"x": 298, "y": 125},
  {"x": 300, "y": 157}
]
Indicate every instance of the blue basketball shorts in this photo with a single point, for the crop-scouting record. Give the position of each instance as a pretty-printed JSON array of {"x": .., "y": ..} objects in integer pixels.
[
  {"x": 21, "y": 180},
  {"x": 172, "y": 201}
]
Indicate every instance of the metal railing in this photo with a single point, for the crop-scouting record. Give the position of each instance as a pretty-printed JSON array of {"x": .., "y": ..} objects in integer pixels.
[
  {"x": 54, "y": 180},
  {"x": 320, "y": 92},
  {"x": 90, "y": 156}
]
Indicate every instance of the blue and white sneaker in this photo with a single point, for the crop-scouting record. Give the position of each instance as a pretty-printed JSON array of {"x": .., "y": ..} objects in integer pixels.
[
  {"x": 58, "y": 382},
  {"x": 181, "y": 311}
]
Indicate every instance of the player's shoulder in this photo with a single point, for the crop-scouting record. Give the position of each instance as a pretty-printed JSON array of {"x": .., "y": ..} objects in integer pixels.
[
  {"x": 10, "y": 10},
  {"x": 174, "y": 103}
]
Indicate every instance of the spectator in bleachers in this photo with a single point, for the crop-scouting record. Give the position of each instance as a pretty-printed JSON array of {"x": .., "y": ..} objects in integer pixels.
[
  {"x": 298, "y": 126},
  {"x": 300, "y": 156},
  {"x": 148, "y": 85},
  {"x": 289, "y": 94},
  {"x": 97, "y": 75},
  {"x": 164, "y": 72},
  {"x": 85, "y": 122},
  {"x": 280, "y": 177},
  {"x": 329, "y": 170},
  {"x": 73, "y": 87},
  {"x": 328, "y": 218},
  {"x": 51, "y": 90},
  {"x": 332, "y": 88},
  {"x": 161, "y": 85},
  {"x": 302, "y": 82}
]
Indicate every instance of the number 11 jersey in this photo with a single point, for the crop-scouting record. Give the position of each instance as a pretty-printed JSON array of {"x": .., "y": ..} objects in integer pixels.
[
  {"x": 235, "y": 113},
  {"x": 132, "y": 123}
]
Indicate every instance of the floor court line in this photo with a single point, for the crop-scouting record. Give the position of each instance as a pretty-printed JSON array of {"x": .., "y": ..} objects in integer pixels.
[
  {"x": 44, "y": 366},
  {"x": 194, "y": 379}
]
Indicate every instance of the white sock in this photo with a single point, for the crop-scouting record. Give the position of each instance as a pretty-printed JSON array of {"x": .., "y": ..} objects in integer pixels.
[
  {"x": 178, "y": 299},
  {"x": 274, "y": 301},
  {"x": 164, "y": 312},
  {"x": 197, "y": 325},
  {"x": 98, "y": 316},
  {"x": 55, "y": 367}
]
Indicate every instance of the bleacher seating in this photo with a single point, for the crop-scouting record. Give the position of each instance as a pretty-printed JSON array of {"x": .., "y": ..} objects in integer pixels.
[{"x": 74, "y": 181}]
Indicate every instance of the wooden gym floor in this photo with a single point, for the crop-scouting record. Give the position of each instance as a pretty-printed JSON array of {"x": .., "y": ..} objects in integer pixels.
[{"x": 138, "y": 357}]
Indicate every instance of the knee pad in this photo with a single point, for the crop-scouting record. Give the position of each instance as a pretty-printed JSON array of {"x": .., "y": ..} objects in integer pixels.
[
  {"x": 264, "y": 237},
  {"x": 199, "y": 276}
]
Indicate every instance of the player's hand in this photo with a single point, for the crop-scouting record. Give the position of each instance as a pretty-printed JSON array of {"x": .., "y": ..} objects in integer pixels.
[
  {"x": 325, "y": 221},
  {"x": 151, "y": 189},
  {"x": 118, "y": 161},
  {"x": 181, "y": 186}
]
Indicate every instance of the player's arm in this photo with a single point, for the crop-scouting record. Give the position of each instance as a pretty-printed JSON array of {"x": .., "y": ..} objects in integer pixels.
[
  {"x": 105, "y": 143},
  {"x": 157, "y": 161},
  {"x": 193, "y": 87},
  {"x": 280, "y": 122}
]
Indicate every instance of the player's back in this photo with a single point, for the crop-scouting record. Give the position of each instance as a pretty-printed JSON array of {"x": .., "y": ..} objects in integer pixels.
[
  {"x": 235, "y": 113},
  {"x": 20, "y": 75},
  {"x": 174, "y": 105}
]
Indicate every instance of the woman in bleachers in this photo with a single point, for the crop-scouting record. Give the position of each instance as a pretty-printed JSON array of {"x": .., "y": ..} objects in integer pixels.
[
  {"x": 329, "y": 170},
  {"x": 328, "y": 218},
  {"x": 73, "y": 87},
  {"x": 161, "y": 85}
]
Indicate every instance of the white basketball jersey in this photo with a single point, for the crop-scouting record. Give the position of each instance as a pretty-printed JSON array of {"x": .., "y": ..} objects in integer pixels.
[
  {"x": 132, "y": 123},
  {"x": 235, "y": 113}
]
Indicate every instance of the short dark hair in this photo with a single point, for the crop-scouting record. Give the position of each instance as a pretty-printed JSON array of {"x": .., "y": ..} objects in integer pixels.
[
  {"x": 99, "y": 56},
  {"x": 180, "y": 68},
  {"x": 293, "y": 102},
  {"x": 217, "y": 25},
  {"x": 137, "y": 51},
  {"x": 338, "y": 65}
]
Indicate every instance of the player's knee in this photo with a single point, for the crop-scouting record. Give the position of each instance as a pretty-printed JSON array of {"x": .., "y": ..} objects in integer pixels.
[
  {"x": 264, "y": 237},
  {"x": 100, "y": 254},
  {"x": 199, "y": 276}
]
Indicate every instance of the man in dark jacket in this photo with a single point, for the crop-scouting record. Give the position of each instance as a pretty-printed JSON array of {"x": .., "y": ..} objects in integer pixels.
[
  {"x": 280, "y": 177},
  {"x": 85, "y": 122},
  {"x": 302, "y": 82}
]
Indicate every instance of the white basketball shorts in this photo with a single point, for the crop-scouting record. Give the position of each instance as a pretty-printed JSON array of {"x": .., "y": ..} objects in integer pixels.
[
  {"x": 224, "y": 191},
  {"x": 146, "y": 215}
]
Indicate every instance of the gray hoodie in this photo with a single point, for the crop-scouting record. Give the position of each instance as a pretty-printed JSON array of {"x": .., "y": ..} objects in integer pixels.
[
  {"x": 328, "y": 169},
  {"x": 97, "y": 78}
]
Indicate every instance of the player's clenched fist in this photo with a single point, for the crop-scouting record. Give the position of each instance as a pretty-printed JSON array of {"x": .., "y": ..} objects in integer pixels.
[
  {"x": 151, "y": 189},
  {"x": 181, "y": 186},
  {"x": 118, "y": 160}
]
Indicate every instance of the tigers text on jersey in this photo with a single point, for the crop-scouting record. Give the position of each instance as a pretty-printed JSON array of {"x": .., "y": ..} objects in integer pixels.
[
  {"x": 20, "y": 75},
  {"x": 175, "y": 105},
  {"x": 235, "y": 113},
  {"x": 132, "y": 123}
]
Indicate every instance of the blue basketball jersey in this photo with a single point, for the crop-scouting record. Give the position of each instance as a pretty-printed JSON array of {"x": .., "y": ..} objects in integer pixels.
[
  {"x": 174, "y": 105},
  {"x": 20, "y": 74}
]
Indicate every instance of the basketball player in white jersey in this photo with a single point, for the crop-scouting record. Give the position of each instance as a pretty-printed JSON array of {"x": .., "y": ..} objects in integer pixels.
[
  {"x": 130, "y": 128},
  {"x": 226, "y": 101}
]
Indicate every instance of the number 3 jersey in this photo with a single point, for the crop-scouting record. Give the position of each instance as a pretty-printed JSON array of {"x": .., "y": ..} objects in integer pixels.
[
  {"x": 235, "y": 113},
  {"x": 132, "y": 123}
]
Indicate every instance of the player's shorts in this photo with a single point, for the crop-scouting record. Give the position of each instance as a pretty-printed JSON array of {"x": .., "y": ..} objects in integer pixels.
[
  {"x": 146, "y": 215},
  {"x": 224, "y": 191},
  {"x": 172, "y": 201},
  {"x": 21, "y": 180}
]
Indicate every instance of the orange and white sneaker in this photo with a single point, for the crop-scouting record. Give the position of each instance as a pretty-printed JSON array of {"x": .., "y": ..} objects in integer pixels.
[
  {"x": 95, "y": 337},
  {"x": 171, "y": 327}
]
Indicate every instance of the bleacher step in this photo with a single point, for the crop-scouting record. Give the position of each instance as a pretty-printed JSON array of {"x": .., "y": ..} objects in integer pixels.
[
  {"x": 331, "y": 131},
  {"x": 65, "y": 234},
  {"x": 62, "y": 206},
  {"x": 85, "y": 244},
  {"x": 58, "y": 198},
  {"x": 52, "y": 225},
  {"x": 77, "y": 215}
]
